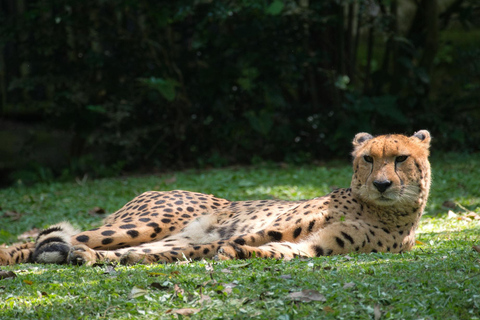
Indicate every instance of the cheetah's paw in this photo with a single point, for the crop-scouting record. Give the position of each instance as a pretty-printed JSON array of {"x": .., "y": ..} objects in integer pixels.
[
  {"x": 81, "y": 255},
  {"x": 131, "y": 258},
  {"x": 229, "y": 252}
]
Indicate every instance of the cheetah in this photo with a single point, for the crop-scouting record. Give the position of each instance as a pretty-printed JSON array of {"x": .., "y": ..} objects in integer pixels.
[{"x": 379, "y": 212}]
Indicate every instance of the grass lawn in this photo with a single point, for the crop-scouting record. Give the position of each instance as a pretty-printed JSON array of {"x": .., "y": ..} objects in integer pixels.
[{"x": 438, "y": 279}]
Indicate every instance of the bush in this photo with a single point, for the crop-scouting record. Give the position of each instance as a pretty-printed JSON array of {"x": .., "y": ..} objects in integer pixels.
[{"x": 210, "y": 83}]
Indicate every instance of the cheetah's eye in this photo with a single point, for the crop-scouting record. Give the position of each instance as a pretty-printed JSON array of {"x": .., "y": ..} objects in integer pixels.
[
  {"x": 400, "y": 159},
  {"x": 368, "y": 159}
]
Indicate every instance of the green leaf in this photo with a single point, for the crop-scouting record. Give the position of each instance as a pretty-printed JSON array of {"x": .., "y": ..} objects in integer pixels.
[
  {"x": 166, "y": 87},
  {"x": 275, "y": 8}
]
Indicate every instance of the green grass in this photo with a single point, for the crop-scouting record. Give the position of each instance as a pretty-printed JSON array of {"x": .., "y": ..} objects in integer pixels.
[{"x": 439, "y": 279}]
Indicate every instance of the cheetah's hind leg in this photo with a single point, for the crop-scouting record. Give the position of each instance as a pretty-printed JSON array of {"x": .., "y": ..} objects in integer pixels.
[{"x": 53, "y": 244}]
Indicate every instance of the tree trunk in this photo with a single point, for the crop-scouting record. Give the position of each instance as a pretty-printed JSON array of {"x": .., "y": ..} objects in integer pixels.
[{"x": 431, "y": 34}]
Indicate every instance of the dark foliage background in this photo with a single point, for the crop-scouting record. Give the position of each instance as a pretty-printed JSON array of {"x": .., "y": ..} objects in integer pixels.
[{"x": 130, "y": 85}]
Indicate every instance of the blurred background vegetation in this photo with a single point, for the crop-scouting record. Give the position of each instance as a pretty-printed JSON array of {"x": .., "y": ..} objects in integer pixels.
[{"x": 104, "y": 87}]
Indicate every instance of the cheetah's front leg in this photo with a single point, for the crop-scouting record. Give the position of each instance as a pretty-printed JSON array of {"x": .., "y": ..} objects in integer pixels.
[{"x": 83, "y": 255}]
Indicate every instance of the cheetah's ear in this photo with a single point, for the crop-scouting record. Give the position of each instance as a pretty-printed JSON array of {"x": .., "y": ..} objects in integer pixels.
[
  {"x": 423, "y": 136},
  {"x": 360, "y": 138}
]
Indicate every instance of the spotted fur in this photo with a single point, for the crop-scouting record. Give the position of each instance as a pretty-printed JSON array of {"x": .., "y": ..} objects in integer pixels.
[{"x": 379, "y": 212}]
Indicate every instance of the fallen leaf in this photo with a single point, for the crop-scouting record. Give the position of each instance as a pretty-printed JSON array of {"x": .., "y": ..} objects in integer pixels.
[
  {"x": 473, "y": 216},
  {"x": 13, "y": 215},
  {"x": 30, "y": 234},
  {"x": 307, "y": 295},
  {"x": 228, "y": 287},
  {"x": 209, "y": 267},
  {"x": 96, "y": 211},
  {"x": 170, "y": 180},
  {"x": 348, "y": 285},
  {"x": 178, "y": 290},
  {"x": 159, "y": 286},
  {"x": 451, "y": 214},
  {"x": 377, "y": 314},
  {"x": 420, "y": 243},
  {"x": 226, "y": 271},
  {"x": 449, "y": 204},
  {"x": 156, "y": 274},
  {"x": 137, "y": 292},
  {"x": 204, "y": 298},
  {"x": 476, "y": 248},
  {"x": 110, "y": 269},
  {"x": 328, "y": 309},
  {"x": 7, "y": 274},
  {"x": 28, "y": 282},
  {"x": 184, "y": 311}
]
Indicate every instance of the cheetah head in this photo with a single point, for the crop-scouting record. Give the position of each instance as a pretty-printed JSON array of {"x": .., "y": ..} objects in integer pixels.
[{"x": 391, "y": 170}]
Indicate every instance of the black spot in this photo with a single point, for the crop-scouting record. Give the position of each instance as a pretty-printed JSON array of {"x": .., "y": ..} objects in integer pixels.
[
  {"x": 144, "y": 219},
  {"x": 318, "y": 251},
  {"x": 142, "y": 207},
  {"x": 82, "y": 238},
  {"x": 133, "y": 233},
  {"x": 297, "y": 232},
  {"x": 171, "y": 228},
  {"x": 206, "y": 251},
  {"x": 374, "y": 251},
  {"x": 395, "y": 245},
  {"x": 118, "y": 254},
  {"x": 310, "y": 225},
  {"x": 166, "y": 220},
  {"x": 147, "y": 250},
  {"x": 107, "y": 233},
  {"x": 340, "y": 242},
  {"x": 380, "y": 243},
  {"x": 386, "y": 230},
  {"x": 277, "y": 236},
  {"x": 348, "y": 237},
  {"x": 107, "y": 241},
  {"x": 186, "y": 216},
  {"x": 240, "y": 241},
  {"x": 128, "y": 226}
]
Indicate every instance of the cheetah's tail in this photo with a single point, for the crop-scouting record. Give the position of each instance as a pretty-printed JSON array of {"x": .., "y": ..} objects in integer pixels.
[{"x": 53, "y": 244}]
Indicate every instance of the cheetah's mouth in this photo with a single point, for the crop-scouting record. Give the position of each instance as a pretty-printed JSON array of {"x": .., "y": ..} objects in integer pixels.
[{"x": 385, "y": 199}]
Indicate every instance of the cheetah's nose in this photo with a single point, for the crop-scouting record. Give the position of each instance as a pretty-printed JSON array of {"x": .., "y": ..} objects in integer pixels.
[{"x": 382, "y": 185}]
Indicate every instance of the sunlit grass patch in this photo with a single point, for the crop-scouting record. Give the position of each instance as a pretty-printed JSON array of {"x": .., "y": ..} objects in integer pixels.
[{"x": 438, "y": 279}]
